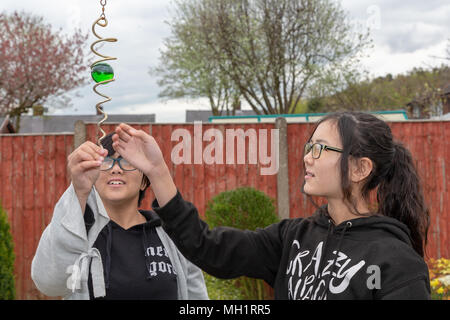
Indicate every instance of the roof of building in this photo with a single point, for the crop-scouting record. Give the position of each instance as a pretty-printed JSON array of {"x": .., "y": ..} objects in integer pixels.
[
  {"x": 66, "y": 123},
  {"x": 443, "y": 117},
  {"x": 203, "y": 115}
]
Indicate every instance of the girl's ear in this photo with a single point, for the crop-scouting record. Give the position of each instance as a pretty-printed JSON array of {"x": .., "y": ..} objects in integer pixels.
[
  {"x": 360, "y": 169},
  {"x": 145, "y": 183}
]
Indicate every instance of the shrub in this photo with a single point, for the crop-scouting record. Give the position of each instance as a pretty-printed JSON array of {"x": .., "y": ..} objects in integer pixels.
[
  {"x": 220, "y": 289},
  {"x": 439, "y": 278},
  {"x": 243, "y": 208},
  {"x": 7, "y": 289}
]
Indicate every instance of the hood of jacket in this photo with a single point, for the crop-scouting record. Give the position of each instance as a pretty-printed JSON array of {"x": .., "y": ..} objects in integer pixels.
[{"x": 365, "y": 227}]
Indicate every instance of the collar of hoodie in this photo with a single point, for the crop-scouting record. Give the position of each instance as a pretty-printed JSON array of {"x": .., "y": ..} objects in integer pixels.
[{"x": 331, "y": 229}]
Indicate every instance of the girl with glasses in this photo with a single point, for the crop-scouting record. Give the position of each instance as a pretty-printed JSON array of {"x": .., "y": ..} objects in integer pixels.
[
  {"x": 344, "y": 250},
  {"x": 99, "y": 245}
]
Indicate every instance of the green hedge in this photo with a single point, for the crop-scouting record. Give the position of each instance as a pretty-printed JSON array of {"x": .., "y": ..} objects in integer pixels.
[
  {"x": 7, "y": 289},
  {"x": 242, "y": 208},
  {"x": 220, "y": 289}
]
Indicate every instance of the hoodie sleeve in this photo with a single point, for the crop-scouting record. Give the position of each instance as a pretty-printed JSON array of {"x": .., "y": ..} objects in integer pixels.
[
  {"x": 62, "y": 241},
  {"x": 222, "y": 252},
  {"x": 404, "y": 274},
  {"x": 416, "y": 289}
]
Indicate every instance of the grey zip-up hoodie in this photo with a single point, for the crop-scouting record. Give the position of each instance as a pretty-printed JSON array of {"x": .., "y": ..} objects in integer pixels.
[{"x": 60, "y": 266}]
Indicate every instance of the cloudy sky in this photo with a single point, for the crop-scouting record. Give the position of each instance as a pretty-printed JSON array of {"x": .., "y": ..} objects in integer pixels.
[{"x": 406, "y": 34}]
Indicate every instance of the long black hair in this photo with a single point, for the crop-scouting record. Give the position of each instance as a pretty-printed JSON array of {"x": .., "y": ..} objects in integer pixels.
[
  {"x": 107, "y": 144},
  {"x": 399, "y": 191}
]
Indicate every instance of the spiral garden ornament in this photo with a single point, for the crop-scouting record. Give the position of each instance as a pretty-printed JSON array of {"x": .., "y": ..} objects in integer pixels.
[{"x": 101, "y": 72}]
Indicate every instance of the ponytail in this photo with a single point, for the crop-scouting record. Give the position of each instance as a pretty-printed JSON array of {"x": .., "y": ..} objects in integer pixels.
[{"x": 400, "y": 196}]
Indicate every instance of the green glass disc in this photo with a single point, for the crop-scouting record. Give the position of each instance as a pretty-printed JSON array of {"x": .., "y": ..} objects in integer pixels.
[{"x": 102, "y": 72}]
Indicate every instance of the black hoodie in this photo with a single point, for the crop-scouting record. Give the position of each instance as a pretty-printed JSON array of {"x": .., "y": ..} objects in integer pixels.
[
  {"x": 136, "y": 265},
  {"x": 306, "y": 258}
]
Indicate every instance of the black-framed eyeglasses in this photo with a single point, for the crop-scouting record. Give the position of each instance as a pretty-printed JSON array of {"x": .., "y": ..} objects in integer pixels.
[
  {"x": 317, "y": 148},
  {"x": 109, "y": 162}
]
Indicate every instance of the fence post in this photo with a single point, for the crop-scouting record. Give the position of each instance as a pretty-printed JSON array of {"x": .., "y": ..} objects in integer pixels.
[
  {"x": 79, "y": 134},
  {"x": 283, "y": 170}
]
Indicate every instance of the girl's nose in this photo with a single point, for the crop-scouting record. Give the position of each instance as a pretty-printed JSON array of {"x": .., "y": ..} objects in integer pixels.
[
  {"x": 116, "y": 168},
  {"x": 308, "y": 159}
]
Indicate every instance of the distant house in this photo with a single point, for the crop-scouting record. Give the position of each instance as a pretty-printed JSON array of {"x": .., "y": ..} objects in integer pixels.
[
  {"x": 446, "y": 100},
  {"x": 423, "y": 109},
  {"x": 416, "y": 110},
  {"x": 445, "y": 105},
  {"x": 6, "y": 126},
  {"x": 248, "y": 116},
  {"x": 203, "y": 115},
  {"x": 66, "y": 123}
]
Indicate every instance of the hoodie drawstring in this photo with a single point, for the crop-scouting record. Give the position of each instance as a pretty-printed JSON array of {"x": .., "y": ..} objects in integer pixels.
[
  {"x": 338, "y": 248},
  {"x": 324, "y": 248},
  {"x": 108, "y": 255},
  {"x": 147, "y": 257},
  {"x": 329, "y": 232}
]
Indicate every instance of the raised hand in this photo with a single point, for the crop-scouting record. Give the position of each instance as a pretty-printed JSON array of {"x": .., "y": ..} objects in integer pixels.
[
  {"x": 138, "y": 148},
  {"x": 142, "y": 152},
  {"x": 83, "y": 165}
]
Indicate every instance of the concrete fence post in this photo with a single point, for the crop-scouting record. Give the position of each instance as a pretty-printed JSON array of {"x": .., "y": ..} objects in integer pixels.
[
  {"x": 283, "y": 170},
  {"x": 79, "y": 134}
]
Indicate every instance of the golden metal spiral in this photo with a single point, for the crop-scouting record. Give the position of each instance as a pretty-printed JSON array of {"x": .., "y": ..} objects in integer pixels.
[{"x": 102, "y": 22}]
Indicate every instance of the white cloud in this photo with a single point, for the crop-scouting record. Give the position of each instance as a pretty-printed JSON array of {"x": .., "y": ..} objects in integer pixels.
[{"x": 383, "y": 60}]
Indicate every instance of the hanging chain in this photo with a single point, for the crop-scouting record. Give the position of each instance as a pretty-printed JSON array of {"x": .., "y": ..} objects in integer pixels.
[{"x": 103, "y": 4}]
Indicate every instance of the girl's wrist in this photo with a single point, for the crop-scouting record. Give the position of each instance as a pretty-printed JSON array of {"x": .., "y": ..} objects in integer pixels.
[
  {"x": 162, "y": 185},
  {"x": 158, "y": 172}
]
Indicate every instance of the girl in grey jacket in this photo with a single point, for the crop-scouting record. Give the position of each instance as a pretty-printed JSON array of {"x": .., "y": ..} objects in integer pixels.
[{"x": 98, "y": 245}]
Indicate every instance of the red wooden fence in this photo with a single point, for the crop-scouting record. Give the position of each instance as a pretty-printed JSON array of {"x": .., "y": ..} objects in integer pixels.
[{"x": 33, "y": 175}]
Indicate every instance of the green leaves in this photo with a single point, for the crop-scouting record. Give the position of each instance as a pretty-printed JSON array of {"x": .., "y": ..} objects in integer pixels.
[
  {"x": 7, "y": 289},
  {"x": 243, "y": 208},
  {"x": 421, "y": 86}
]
